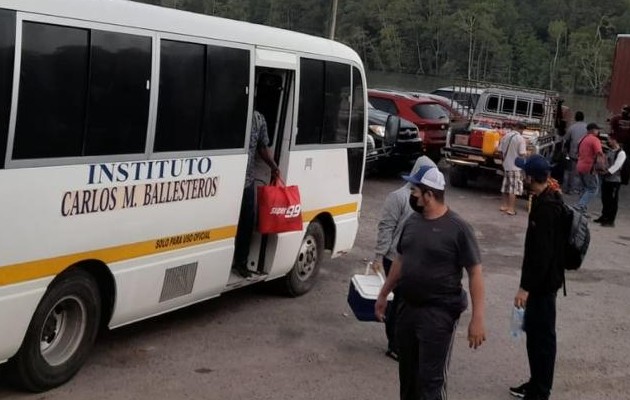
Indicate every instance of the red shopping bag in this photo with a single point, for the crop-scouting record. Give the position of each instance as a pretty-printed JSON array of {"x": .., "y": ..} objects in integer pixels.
[{"x": 279, "y": 208}]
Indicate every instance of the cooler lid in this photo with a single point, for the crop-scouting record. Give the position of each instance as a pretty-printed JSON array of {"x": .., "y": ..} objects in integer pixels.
[{"x": 369, "y": 286}]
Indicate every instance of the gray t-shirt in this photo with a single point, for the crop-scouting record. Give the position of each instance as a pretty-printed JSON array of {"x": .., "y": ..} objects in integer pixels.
[
  {"x": 258, "y": 139},
  {"x": 434, "y": 254},
  {"x": 573, "y": 137}
]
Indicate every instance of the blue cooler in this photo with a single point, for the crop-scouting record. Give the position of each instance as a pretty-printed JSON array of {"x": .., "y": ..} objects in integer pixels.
[{"x": 362, "y": 294}]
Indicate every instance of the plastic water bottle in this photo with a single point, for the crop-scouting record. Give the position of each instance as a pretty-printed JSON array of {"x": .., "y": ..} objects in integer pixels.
[{"x": 516, "y": 324}]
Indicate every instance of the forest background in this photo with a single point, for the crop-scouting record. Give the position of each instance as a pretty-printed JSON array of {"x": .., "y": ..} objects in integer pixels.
[{"x": 562, "y": 45}]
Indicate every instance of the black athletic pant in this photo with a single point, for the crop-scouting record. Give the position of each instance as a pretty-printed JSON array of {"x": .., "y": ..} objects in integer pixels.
[
  {"x": 390, "y": 313},
  {"x": 425, "y": 339},
  {"x": 610, "y": 200},
  {"x": 540, "y": 327}
]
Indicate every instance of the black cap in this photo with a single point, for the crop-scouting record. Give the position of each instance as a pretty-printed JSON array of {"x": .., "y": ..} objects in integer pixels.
[
  {"x": 592, "y": 126},
  {"x": 536, "y": 165}
]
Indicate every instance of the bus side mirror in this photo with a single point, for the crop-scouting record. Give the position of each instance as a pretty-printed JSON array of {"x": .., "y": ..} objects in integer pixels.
[{"x": 392, "y": 127}]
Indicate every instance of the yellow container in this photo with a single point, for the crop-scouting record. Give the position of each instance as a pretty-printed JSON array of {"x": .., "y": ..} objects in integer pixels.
[{"x": 490, "y": 142}]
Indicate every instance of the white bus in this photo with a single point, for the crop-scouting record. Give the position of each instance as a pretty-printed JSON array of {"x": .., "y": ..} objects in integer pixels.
[{"x": 124, "y": 131}]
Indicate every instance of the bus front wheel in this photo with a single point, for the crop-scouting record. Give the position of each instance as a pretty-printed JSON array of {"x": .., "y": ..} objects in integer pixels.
[
  {"x": 61, "y": 333},
  {"x": 302, "y": 276}
]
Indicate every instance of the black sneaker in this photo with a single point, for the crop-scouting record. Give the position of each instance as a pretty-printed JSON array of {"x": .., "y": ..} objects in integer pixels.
[
  {"x": 519, "y": 391},
  {"x": 242, "y": 271},
  {"x": 598, "y": 220},
  {"x": 608, "y": 224}
]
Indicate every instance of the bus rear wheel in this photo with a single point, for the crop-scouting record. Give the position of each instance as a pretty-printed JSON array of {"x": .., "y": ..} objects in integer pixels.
[
  {"x": 302, "y": 276},
  {"x": 61, "y": 333}
]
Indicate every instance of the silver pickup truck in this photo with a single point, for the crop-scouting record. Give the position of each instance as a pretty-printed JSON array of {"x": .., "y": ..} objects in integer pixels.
[{"x": 471, "y": 149}]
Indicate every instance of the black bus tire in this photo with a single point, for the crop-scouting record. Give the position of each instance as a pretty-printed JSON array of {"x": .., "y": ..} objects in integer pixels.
[
  {"x": 60, "y": 335},
  {"x": 302, "y": 276}
]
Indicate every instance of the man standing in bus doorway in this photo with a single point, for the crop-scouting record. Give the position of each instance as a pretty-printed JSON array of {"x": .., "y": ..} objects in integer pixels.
[
  {"x": 620, "y": 127},
  {"x": 512, "y": 145},
  {"x": 435, "y": 246},
  {"x": 590, "y": 161},
  {"x": 258, "y": 144},
  {"x": 571, "y": 140},
  {"x": 542, "y": 274},
  {"x": 396, "y": 210}
]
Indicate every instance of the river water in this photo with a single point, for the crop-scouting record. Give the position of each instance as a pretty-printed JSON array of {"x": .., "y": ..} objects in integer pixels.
[{"x": 594, "y": 108}]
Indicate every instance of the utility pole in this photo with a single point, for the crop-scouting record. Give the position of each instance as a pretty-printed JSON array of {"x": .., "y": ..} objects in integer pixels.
[{"x": 333, "y": 20}]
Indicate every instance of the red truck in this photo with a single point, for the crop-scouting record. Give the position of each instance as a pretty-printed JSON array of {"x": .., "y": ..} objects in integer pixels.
[{"x": 619, "y": 94}]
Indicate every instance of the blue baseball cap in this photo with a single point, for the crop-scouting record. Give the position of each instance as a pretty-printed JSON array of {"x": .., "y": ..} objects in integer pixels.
[
  {"x": 427, "y": 176},
  {"x": 535, "y": 165}
]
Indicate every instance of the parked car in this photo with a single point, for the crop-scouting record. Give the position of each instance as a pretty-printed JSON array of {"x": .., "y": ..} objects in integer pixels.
[
  {"x": 404, "y": 150},
  {"x": 465, "y": 95},
  {"x": 458, "y": 114},
  {"x": 428, "y": 115}
]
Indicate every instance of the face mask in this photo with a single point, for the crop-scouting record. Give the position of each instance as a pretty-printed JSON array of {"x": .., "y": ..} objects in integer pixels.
[{"x": 413, "y": 203}]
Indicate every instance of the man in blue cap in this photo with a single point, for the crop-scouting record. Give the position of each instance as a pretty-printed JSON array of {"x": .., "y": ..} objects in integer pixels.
[
  {"x": 542, "y": 274},
  {"x": 434, "y": 248}
]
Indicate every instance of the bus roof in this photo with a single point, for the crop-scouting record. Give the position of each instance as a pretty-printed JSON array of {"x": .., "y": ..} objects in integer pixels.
[{"x": 162, "y": 19}]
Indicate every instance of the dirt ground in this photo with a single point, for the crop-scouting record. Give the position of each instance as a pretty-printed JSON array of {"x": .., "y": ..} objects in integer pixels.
[{"x": 252, "y": 344}]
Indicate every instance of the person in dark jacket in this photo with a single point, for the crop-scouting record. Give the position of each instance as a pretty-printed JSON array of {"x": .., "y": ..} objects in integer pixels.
[{"x": 542, "y": 275}]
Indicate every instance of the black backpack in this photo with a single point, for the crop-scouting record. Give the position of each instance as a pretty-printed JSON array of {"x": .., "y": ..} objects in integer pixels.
[{"x": 578, "y": 238}]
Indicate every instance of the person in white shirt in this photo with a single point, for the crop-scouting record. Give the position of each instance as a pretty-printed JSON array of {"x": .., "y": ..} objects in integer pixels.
[
  {"x": 512, "y": 145},
  {"x": 611, "y": 182}
]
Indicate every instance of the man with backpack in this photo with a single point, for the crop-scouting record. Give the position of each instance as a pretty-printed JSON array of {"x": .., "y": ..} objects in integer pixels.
[
  {"x": 611, "y": 183},
  {"x": 542, "y": 275}
]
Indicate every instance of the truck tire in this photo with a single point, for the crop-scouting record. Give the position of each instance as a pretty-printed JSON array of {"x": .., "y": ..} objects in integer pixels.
[
  {"x": 457, "y": 177},
  {"x": 302, "y": 276},
  {"x": 61, "y": 333}
]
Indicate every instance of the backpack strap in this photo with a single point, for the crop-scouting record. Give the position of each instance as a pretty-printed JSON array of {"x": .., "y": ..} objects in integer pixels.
[{"x": 509, "y": 143}]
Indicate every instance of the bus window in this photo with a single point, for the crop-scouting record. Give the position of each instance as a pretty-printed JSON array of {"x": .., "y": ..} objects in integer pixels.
[
  {"x": 82, "y": 92},
  {"x": 118, "y": 102},
  {"x": 337, "y": 107},
  {"x": 310, "y": 119},
  {"x": 357, "y": 116},
  {"x": 537, "y": 110},
  {"x": 180, "y": 107},
  {"x": 7, "y": 48},
  {"x": 52, "y": 93},
  {"x": 208, "y": 110},
  {"x": 227, "y": 79}
]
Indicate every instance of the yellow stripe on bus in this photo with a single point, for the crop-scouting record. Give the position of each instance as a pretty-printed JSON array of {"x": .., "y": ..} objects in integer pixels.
[
  {"x": 349, "y": 208},
  {"x": 52, "y": 266},
  {"x": 31, "y": 270}
]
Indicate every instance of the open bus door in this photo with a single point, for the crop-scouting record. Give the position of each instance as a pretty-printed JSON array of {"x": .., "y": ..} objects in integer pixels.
[{"x": 273, "y": 98}]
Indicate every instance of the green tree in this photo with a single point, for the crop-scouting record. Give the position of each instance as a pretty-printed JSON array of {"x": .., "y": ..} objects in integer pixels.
[{"x": 557, "y": 31}]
